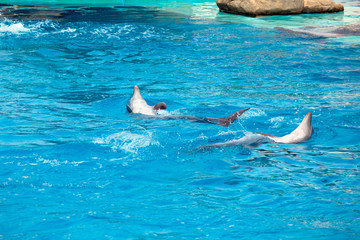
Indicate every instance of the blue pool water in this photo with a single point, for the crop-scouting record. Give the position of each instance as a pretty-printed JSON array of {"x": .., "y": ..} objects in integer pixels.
[{"x": 75, "y": 165}]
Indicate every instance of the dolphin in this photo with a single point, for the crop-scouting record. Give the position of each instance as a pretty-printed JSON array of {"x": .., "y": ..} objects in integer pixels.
[
  {"x": 248, "y": 141},
  {"x": 137, "y": 104},
  {"x": 301, "y": 134}
]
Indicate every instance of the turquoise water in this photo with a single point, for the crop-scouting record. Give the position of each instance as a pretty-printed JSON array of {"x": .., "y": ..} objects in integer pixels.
[{"x": 75, "y": 165}]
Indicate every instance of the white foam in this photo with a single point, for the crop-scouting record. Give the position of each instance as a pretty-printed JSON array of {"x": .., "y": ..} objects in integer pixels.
[
  {"x": 55, "y": 162},
  {"x": 162, "y": 112},
  {"x": 228, "y": 132},
  {"x": 114, "y": 31},
  {"x": 277, "y": 122},
  {"x": 150, "y": 32},
  {"x": 45, "y": 27},
  {"x": 38, "y": 28},
  {"x": 15, "y": 28},
  {"x": 127, "y": 141},
  {"x": 253, "y": 112},
  {"x": 68, "y": 30}
]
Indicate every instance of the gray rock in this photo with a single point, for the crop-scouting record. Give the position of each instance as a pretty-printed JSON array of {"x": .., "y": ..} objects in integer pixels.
[
  {"x": 334, "y": 31},
  {"x": 277, "y": 7}
]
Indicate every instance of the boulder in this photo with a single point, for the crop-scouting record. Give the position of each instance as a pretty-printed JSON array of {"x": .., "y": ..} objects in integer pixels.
[
  {"x": 261, "y": 7},
  {"x": 321, "y": 6},
  {"x": 277, "y": 7}
]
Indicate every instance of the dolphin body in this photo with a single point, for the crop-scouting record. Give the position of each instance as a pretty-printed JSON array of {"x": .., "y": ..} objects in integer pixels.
[
  {"x": 301, "y": 134},
  {"x": 137, "y": 104}
]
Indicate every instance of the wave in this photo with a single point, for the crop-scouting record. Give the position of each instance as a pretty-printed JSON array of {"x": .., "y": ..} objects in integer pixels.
[{"x": 118, "y": 31}]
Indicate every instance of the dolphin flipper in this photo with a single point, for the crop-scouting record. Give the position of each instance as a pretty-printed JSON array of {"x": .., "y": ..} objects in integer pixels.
[{"x": 159, "y": 106}]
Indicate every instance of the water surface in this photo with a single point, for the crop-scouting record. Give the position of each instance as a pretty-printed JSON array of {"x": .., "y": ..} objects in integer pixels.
[{"x": 76, "y": 165}]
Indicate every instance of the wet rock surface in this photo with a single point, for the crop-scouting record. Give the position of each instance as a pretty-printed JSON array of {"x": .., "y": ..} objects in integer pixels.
[
  {"x": 334, "y": 31},
  {"x": 277, "y": 7}
]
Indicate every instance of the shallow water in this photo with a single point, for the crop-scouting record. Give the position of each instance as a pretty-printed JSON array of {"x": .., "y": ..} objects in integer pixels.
[{"x": 76, "y": 165}]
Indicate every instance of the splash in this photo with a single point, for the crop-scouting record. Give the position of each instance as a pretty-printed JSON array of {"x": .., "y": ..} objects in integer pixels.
[
  {"x": 163, "y": 113},
  {"x": 37, "y": 28},
  {"x": 277, "y": 121},
  {"x": 130, "y": 32},
  {"x": 127, "y": 141},
  {"x": 15, "y": 28},
  {"x": 56, "y": 162},
  {"x": 253, "y": 112}
]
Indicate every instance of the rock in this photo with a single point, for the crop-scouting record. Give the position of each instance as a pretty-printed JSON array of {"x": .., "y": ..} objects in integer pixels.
[
  {"x": 334, "y": 31},
  {"x": 277, "y": 7},
  {"x": 261, "y": 7},
  {"x": 321, "y": 6}
]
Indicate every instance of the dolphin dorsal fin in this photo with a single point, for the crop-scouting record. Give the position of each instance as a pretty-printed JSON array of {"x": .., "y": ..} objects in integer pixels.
[
  {"x": 137, "y": 104},
  {"x": 305, "y": 124},
  {"x": 136, "y": 92},
  {"x": 302, "y": 133}
]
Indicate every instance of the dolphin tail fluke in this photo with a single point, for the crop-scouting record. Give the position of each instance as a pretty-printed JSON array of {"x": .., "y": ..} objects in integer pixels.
[{"x": 225, "y": 122}]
